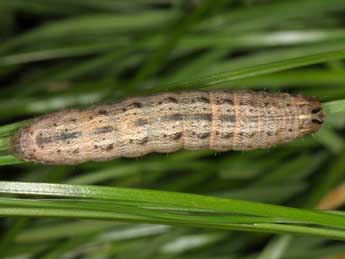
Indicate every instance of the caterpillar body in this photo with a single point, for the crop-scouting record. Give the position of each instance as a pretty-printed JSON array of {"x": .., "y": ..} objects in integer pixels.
[{"x": 217, "y": 120}]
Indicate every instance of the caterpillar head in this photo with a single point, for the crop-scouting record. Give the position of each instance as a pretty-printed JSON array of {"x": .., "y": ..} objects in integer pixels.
[{"x": 311, "y": 115}]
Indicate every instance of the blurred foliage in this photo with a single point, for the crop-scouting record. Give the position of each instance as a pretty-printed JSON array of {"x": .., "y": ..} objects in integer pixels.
[{"x": 57, "y": 53}]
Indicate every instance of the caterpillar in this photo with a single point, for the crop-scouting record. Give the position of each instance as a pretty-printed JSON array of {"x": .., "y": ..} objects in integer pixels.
[{"x": 217, "y": 120}]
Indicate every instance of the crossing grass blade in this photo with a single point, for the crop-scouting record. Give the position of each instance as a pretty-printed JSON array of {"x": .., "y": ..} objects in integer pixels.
[{"x": 166, "y": 208}]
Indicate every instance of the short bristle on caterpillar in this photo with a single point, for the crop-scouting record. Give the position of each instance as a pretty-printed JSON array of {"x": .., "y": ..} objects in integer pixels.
[{"x": 217, "y": 120}]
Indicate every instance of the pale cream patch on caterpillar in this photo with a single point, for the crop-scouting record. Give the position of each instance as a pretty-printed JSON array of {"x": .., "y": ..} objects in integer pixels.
[{"x": 216, "y": 120}]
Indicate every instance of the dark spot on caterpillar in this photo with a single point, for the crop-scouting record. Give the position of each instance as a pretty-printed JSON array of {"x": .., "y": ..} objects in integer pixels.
[
  {"x": 288, "y": 105},
  {"x": 76, "y": 151},
  {"x": 140, "y": 122},
  {"x": 40, "y": 140},
  {"x": 228, "y": 118},
  {"x": 131, "y": 141},
  {"x": 316, "y": 110},
  {"x": 135, "y": 105},
  {"x": 290, "y": 130},
  {"x": 229, "y": 101},
  {"x": 73, "y": 120},
  {"x": 109, "y": 147},
  {"x": 222, "y": 101},
  {"x": 227, "y": 135},
  {"x": 266, "y": 104},
  {"x": 65, "y": 135},
  {"x": 301, "y": 105},
  {"x": 201, "y": 100},
  {"x": 175, "y": 117},
  {"x": 105, "y": 129},
  {"x": 200, "y": 116},
  {"x": 247, "y": 135},
  {"x": 269, "y": 133},
  {"x": 102, "y": 112},
  {"x": 316, "y": 121},
  {"x": 90, "y": 118},
  {"x": 95, "y": 146},
  {"x": 171, "y": 99},
  {"x": 55, "y": 125},
  {"x": 251, "y": 135},
  {"x": 176, "y": 136},
  {"x": 124, "y": 109},
  {"x": 59, "y": 151},
  {"x": 219, "y": 101},
  {"x": 143, "y": 141},
  {"x": 204, "y": 135}
]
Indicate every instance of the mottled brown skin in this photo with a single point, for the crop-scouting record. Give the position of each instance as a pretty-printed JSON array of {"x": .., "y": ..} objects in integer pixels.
[{"x": 167, "y": 122}]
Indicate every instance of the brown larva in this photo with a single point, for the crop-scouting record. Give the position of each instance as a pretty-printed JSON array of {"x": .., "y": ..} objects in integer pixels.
[{"x": 167, "y": 122}]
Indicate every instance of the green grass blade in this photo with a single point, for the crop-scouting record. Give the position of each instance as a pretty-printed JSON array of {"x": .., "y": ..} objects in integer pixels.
[
  {"x": 175, "y": 200},
  {"x": 229, "y": 76}
]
